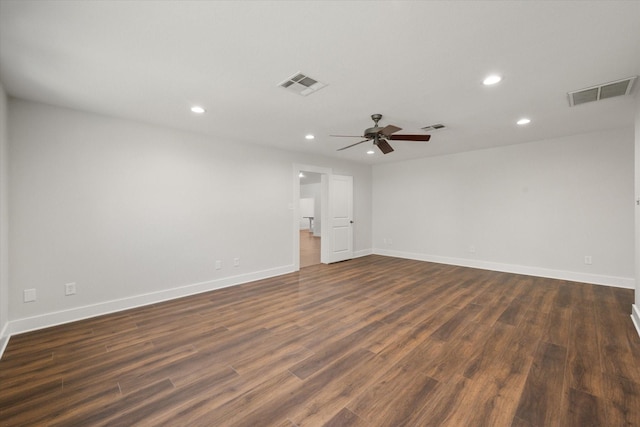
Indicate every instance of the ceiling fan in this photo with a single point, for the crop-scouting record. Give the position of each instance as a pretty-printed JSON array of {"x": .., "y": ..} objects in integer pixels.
[{"x": 379, "y": 136}]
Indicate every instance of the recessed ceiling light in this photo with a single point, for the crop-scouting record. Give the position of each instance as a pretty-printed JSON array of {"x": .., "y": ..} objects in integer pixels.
[
  {"x": 309, "y": 136},
  {"x": 491, "y": 80},
  {"x": 371, "y": 152},
  {"x": 300, "y": 175},
  {"x": 198, "y": 110},
  {"x": 523, "y": 121}
]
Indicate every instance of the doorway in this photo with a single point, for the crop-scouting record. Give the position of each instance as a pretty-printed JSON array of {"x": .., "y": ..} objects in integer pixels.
[
  {"x": 310, "y": 218},
  {"x": 320, "y": 210},
  {"x": 335, "y": 222}
]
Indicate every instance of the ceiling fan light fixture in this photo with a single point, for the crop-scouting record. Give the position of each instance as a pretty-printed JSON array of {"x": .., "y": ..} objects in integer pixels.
[{"x": 492, "y": 79}]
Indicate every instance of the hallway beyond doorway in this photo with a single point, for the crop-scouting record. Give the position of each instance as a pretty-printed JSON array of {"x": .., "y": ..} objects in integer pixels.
[{"x": 309, "y": 249}]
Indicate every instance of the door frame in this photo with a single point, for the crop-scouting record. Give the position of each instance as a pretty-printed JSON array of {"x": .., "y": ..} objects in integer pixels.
[{"x": 324, "y": 213}]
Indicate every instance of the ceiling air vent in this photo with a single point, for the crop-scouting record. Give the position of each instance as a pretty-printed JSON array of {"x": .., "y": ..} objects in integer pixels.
[
  {"x": 433, "y": 127},
  {"x": 302, "y": 84},
  {"x": 603, "y": 91}
]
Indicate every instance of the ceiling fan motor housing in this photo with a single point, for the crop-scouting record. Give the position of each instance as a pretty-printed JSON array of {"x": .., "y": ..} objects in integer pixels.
[
  {"x": 379, "y": 136},
  {"x": 372, "y": 132}
]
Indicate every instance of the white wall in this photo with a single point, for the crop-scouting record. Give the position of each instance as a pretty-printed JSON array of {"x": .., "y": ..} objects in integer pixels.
[
  {"x": 132, "y": 212},
  {"x": 636, "y": 307},
  {"x": 536, "y": 208},
  {"x": 313, "y": 191},
  {"x": 118, "y": 208},
  {"x": 306, "y": 210},
  {"x": 4, "y": 257}
]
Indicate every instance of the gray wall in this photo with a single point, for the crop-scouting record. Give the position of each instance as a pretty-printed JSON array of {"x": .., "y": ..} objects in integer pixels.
[
  {"x": 536, "y": 208},
  {"x": 4, "y": 256},
  {"x": 133, "y": 213},
  {"x": 637, "y": 186}
]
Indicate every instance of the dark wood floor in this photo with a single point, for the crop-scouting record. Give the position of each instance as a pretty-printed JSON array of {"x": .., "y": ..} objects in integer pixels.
[{"x": 374, "y": 341}]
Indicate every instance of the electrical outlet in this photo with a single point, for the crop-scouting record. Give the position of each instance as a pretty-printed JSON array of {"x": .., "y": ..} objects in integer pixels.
[
  {"x": 218, "y": 264},
  {"x": 29, "y": 295},
  {"x": 588, "y": 260},
  {"x": 236, "y": 262},
  {"x": 472, "y": 249},
  {"x": 70, "y": 289}
]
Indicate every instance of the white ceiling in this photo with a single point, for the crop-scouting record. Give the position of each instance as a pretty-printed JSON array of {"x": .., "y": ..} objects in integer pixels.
[{"x": 417, "y": 63}]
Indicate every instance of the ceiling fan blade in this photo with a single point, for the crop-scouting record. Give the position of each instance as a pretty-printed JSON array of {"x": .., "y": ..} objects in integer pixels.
[
  {"x": 348, "y": 136},
  {"x": 410, "y": 137},
  {"x": 384, "y": 146},
  {"x": 352, "y": 145},
  {"x": 389, "y": 129}
]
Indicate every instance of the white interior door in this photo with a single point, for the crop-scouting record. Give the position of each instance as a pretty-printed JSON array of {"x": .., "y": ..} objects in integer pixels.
[{"x": 340, "y": 227}]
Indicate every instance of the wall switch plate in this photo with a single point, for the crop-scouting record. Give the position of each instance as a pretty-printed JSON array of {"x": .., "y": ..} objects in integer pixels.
[
  {"x": 29, "y": 295},
  {"x": 472, "y": 249},
  {"x": 588, "y": 260},
  {"x": 70, "y": 289},
  {"x": 236, "y": 262},
  {"x": 218, "y": 264}
]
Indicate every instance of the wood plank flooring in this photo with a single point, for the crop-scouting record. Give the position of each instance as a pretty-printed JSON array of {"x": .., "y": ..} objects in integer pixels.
[
  {"x": 374, "y": 341},
  {"x": 309, "y": 249}
]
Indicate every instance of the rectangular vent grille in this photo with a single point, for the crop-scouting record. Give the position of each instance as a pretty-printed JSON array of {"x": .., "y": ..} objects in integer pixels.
[
  {"x": 434, "y": 127},
  {"x": 302, "y": 84},
  {"x": 604, "y": 91}
]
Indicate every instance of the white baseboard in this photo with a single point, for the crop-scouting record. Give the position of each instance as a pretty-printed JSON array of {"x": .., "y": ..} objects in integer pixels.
[
  {"x": 66, "y": 316},
  {"x": 4, "y": 338},
  {"x": 363, "y": 252},
  {"x": 596, "y": 279},
  {"x": 635, "y": 317},
  {"x": 78, "y": 313}
]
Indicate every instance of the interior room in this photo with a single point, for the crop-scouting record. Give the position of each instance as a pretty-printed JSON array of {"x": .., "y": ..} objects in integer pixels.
[
  {"x": 319, "y": 213},
  {"x": 310, "y": 218}
]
